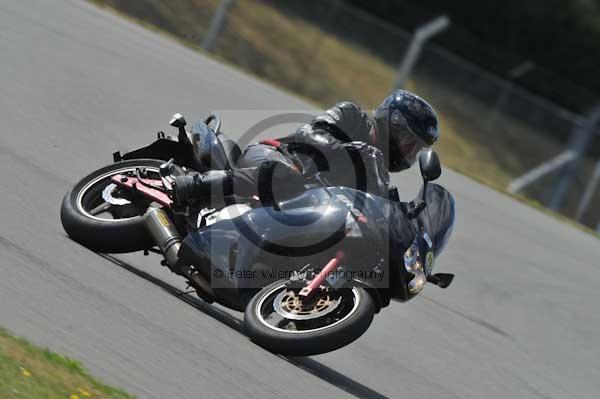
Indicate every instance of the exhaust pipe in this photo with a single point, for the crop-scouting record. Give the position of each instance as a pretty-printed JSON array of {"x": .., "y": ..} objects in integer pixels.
[{"x": 166, "y": 236}]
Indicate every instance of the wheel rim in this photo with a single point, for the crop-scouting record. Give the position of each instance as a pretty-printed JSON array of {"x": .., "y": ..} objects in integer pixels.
[
  {"x": 90, "y": 201},
  {"x": 279, "y": 309}
]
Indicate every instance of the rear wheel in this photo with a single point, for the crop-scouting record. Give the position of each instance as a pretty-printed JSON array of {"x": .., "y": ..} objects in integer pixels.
[
  {"x": 99, "y": 215},
  {"x": 280, "y": 322}
]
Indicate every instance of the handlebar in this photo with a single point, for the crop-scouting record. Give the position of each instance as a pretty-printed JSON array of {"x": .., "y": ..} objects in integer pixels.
[{"x": 214, "y": 117}]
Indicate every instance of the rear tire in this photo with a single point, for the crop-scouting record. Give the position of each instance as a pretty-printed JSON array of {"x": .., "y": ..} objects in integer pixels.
[
  {"x": 310, "y": 341},
  {"x": 105, "y": 235}
]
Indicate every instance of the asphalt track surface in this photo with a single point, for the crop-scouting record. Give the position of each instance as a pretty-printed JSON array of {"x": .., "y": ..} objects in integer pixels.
[{"x": 77, "y": 82}]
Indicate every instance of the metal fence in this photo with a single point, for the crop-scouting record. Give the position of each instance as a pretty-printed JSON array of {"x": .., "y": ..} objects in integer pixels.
[
  {"x": 330, "y": 51},
  {"x": 327, "y": 51}
]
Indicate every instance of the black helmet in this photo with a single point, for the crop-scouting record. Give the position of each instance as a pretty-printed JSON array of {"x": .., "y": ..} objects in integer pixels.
[{"x": 404, "y": 124}]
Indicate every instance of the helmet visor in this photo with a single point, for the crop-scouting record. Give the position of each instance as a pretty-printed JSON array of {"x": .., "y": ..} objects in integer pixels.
[{"x": 404, "y": 143}]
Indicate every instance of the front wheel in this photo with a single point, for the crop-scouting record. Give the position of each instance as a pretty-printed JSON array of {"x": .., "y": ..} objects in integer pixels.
[
  {"x": 97, "y": 214},
  {"x": 280, "y": 322}
]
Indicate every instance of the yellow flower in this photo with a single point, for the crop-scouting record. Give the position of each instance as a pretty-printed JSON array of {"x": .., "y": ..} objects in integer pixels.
[
  {"x": 83, "y": 392},
  {"x": 73, "y": 396},
  {"x": 25, "y": 372}
]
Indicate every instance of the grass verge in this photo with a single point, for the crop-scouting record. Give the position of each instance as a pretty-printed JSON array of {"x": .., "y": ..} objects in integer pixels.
[{"x": 27, "y": 371}]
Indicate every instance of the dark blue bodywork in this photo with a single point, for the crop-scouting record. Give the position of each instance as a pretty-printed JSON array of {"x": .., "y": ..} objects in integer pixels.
[{"x": 243, "y": 254}]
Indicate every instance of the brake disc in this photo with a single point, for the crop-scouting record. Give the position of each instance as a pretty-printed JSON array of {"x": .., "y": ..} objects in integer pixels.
[
  {"x": 107, "y": 196},
  {"x": 289, "y": 305}
]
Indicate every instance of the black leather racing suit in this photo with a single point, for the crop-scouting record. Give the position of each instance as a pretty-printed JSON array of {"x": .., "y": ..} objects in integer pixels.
[{"x": 335, "y": 145}]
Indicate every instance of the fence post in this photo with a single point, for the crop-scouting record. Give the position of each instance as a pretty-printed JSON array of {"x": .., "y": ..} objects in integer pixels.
[
  {"x": 509, "y": 85},
  {"x": 588, "y": 194},
  {"x": 579, "y": 143},
  {"x": 216, "y": 24},
  {"x": 421, "y": 35},
  {"x": 559, "y": 161}
]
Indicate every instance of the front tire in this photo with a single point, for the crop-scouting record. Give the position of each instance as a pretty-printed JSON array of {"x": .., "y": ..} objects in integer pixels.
[
  {"x": 125, "y": 232},
  {"x": 336, "y": 319}
]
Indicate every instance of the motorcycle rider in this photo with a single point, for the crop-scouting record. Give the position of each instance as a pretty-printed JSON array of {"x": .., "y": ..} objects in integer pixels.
[{"x": 340, "y": 139}]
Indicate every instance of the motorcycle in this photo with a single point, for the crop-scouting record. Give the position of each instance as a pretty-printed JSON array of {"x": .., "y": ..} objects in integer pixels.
[{"x": 309, "y": 272}]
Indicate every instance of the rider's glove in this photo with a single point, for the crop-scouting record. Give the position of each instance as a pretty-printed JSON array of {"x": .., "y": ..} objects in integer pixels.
[{"x": 371, "y": 160}]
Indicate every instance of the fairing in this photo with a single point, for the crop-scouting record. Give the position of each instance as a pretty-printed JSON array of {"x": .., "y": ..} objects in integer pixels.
[
  {"x": 438, "y": 217},
  {"x": 213, "y": 150},
  {"x": 208, "y": 151},
  {"x": 307, "y": 229}
]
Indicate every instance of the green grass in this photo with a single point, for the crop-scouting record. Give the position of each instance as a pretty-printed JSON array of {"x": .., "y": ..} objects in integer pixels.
[{"x": 27, "y": 371}]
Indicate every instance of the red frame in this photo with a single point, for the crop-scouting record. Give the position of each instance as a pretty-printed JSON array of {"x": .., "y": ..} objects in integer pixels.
[{"x": 133, "y": 183}]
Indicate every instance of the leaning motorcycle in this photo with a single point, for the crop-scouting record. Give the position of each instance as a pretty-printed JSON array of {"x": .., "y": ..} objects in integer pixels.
[{"x": 310, "y": 272}]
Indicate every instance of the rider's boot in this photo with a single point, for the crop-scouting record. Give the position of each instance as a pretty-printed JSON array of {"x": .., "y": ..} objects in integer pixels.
[{"x": 211, "y": 186}]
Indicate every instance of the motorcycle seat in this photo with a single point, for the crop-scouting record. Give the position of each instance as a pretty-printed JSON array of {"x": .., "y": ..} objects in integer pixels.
[{"x": 231, "y": 149}]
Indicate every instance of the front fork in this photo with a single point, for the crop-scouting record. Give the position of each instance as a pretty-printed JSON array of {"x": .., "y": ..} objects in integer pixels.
[
  {"x": 321, "y": 279},
  {"x": 313, "y": 285}
]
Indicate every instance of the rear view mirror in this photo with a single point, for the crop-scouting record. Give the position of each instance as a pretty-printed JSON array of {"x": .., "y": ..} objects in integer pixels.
[
  {"x": 431, "y": 169},
  {"x": 429, "y": 162}
]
